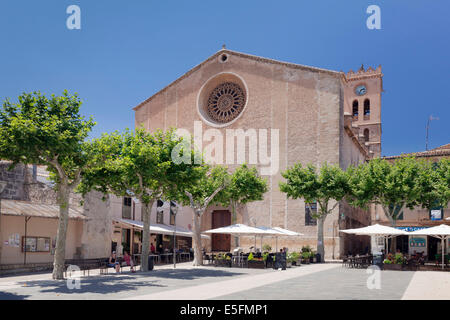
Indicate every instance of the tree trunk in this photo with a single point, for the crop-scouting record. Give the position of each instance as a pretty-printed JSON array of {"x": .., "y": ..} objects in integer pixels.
[
  {"x": 146, "y": 235},
  {"x": 320, "y": 241},
  {"x": 234, "y": 221},
  {"x": 60, "y": 250},
  {"x": 198, "y": 253}
]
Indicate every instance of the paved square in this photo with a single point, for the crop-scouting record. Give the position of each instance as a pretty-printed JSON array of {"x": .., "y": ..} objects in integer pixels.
[{"x": 315, "y": 281}]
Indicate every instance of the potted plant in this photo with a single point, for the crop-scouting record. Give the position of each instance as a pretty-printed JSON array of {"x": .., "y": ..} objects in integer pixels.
[
  {"x": 293, "y": 258},
  {"x": 305, "y": 257},
  {"x": 312, "y": 255},
  {"x": 256, "y": 263},
  {"x": 393, "y": 262}
]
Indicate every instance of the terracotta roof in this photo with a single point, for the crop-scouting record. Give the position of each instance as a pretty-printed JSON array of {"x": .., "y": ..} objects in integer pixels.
[
  {"x": 32, "y": 209},
  {"x": 436, "y": 152},
  {"x": 243, "y": 55}
]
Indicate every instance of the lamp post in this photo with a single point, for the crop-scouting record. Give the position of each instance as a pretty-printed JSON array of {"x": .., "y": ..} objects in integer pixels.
[{"x": 174, "y": 210}]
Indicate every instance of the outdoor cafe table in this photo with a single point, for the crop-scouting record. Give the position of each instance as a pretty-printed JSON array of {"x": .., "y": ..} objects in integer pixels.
[
  {"x": 184, "y": 256},
  {"x": 137, "y": 257},
  {"x": 166, "y": 256}
]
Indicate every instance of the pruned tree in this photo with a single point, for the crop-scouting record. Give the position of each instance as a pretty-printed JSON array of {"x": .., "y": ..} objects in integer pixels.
[
  {"x": 323, "y": 185},
  {"x": 433, "y": 183},
  {"x": 50, "y": 132},
  {"x": 199, "y": 195},
  {"x": 393, "y": 186},
  {"x": 138, "y": 164}
]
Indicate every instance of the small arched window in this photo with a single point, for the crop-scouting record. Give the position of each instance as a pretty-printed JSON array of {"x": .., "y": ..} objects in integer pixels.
[
  {"x": 366, "y": 135},
  {"x": 355, "y": 109},
  {"x": 366, "y": 109}
]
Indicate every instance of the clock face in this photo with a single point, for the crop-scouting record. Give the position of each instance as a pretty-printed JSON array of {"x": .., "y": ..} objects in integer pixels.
[{"x": 360, "y": 90}]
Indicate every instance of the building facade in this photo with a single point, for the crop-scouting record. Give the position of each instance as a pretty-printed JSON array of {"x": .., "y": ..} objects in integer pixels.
[{"x": 271, "y": 114}]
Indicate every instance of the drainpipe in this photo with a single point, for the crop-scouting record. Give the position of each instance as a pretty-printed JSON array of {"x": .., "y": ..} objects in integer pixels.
[
  {"x": 2, "y": 187},
  {"x": 25, "y": 241}
]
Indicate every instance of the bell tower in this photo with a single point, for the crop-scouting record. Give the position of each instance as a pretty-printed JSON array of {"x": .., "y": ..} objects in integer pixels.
[{"x": 362, "y": 100}]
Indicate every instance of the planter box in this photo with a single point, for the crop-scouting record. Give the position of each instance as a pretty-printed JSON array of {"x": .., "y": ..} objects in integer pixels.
[
  {"x": 224, "y": 263},
  {"x": 392, "y": 266},
  {"x": 255, "y": 264}
]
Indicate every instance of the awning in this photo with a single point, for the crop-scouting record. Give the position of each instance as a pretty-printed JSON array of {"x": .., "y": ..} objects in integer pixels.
[
  {"x": 32, "y": 209},
  {"x": 159, "y": 228}
]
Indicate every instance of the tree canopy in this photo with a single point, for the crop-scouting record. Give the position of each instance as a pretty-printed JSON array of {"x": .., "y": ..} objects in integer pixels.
[{"x": 52, "y": 132}]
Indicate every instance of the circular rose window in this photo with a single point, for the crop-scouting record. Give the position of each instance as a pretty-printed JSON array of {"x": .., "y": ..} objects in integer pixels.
[{"x": 226, "y": 102}]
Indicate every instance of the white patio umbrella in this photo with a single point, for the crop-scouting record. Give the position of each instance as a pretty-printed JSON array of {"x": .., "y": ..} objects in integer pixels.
[
  {"x": 240, "y": 230},
  {"x": 271, "y": 232},
  {"x": 441, "y": 232},
  {"x": 377, "y": 230},
  {"x": 280, "y": 232}
]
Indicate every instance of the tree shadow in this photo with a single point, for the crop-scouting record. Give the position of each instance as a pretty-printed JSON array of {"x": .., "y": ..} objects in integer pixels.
[
  {"x": 124, "y": 282},
  {"x": 103, "y": 284},
  {"x": 12, "y": 296},
  {"x": 189, "y": 274}
]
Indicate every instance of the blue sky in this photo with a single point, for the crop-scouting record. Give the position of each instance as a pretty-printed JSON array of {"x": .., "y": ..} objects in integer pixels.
[{"x": 126, "y": 51}]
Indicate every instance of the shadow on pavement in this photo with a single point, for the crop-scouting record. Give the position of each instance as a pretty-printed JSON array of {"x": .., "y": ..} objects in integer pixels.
[
  {"x": 116, "y": 283},
  {"x": 189, "y": 274},
  {"x": 94, "y": 284},
  {"x": 12, "y": 296}
]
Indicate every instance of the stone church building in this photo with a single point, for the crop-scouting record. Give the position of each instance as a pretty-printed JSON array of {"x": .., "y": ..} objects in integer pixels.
[{"x": 278, "y": 114}]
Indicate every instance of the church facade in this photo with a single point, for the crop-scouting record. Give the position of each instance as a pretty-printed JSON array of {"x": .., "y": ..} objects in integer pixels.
[{"x": 272, "y": 114}]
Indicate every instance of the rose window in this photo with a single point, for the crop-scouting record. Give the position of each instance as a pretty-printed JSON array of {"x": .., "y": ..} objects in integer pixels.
[{"x": 226, "y": 102}]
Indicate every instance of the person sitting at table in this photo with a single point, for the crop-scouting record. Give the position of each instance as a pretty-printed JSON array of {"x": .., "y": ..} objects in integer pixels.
[
  {"x": 113, "y": 263},
  {"x": 128, "y": 261}
]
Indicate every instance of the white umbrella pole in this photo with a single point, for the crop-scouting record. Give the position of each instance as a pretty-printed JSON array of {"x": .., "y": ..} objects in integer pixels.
[
  {"x": 443, "y": 250},
  {"x": 255, "y": 245},
  {"x": 276, "y": 244},
  {"x": 261, "y": 244}
]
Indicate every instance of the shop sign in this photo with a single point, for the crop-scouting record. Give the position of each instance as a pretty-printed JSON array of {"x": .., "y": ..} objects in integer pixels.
[
  {"x": 410, "y": 229},
  {"x": 417, "y": 242},
  {"x": 436, "y": 214}
]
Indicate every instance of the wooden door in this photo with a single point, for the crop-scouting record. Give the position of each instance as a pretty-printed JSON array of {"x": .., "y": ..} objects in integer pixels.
[{"x": 220, "y": 242}]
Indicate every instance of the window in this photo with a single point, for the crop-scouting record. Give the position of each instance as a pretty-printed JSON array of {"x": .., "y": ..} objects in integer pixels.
[
  {"x": 366, "y": 135},
  {"x": 366, "y": 109},
  {"x": 159, "y": 212},
  {"x": 36, "y": 244},
  {"x": 126, "y": 208},
  {"x": 309, "y": 220},
  {"x": 355, "y": 110}
]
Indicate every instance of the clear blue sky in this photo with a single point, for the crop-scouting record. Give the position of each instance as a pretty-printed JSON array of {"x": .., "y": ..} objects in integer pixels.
[{"x": 128, "y": 50}]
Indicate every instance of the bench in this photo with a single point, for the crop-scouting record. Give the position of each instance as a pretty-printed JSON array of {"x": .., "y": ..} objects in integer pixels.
[{"x": 85, "y": 264}]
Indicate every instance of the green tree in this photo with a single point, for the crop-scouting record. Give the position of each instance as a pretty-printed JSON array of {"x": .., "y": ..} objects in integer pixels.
[
  {"x": 246, "y": 185},
  {"x": 433, "y": 183},
  {"x": 138, "y": 164},
  {"x": 393, "y": 186},
  {"x": 323, "y": 185},
  {"x": 51, "y": 132},
  {"x": 199, "y": 195}
]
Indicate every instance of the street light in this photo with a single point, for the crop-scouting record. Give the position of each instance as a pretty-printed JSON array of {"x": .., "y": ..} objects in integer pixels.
[{"x": 173, "y": 211}]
